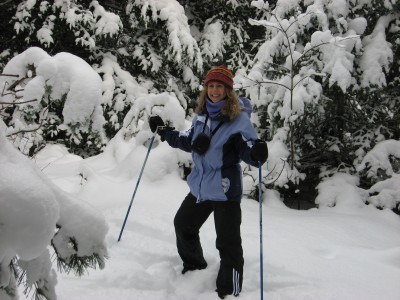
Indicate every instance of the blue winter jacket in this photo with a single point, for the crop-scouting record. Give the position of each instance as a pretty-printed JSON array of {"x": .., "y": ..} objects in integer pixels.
[{"x": 217, "y": 174}]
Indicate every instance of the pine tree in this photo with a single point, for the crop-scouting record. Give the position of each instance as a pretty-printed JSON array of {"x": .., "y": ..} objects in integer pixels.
[
  {"x": 7, "y": 8},
  {"x": 158, "y": 51},
  {"x": 322, "y": 114},
  {"x": 78, "y": 27},
  {"x": 38, "y": 216},
  {"x": 223, "y": 31},
  {"x": 41, "y": 98}
]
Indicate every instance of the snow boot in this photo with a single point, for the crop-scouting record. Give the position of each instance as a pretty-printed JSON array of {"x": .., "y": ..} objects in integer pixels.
[
  {"x": 221, "y": 295},
  {"x": 187, "y": 268}
]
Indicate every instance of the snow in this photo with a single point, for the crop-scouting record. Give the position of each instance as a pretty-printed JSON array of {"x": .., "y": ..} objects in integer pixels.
[
  {"x": 378, "y": 158},
  {"x": 35, "y": 212},
  {"x": 43, "y": 83},
  {"x": 341, "y": 192},
  {"x": 358, "y": 25},
  {"x": 181, "y": 42},
  {"x": 377, "y": 54},
  {"x": 62, "y": 74},
  {"x": 101, "y": 22},
  {"x": 213, "y": 40},
  {"x": 344, "y": 250},
  {"x": 317, "y": 254},
  {"x": 17, "y": 182},
  {"x": 106, "y": 23}
]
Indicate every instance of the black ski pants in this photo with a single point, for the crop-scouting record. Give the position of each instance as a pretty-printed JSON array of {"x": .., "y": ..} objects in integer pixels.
[{"x": 227, "y": 219}]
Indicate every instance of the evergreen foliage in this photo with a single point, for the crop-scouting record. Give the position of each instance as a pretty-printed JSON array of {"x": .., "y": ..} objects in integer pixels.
[
  {"x": 305, "y": 65},
  {"x": 323, "y": 79},
  {"x": 334, "y": 109}
]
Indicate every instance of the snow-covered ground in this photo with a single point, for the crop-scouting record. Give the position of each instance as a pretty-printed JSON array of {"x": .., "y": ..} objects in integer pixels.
[{"x": 325, "y": 254}]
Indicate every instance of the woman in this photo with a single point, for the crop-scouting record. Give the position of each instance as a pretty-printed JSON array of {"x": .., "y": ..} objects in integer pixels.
[{"x": 220, "y": 137}]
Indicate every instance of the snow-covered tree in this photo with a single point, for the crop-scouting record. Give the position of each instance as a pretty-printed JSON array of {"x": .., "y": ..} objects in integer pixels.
[
  {"x": 47, "y": 98},
  {"x": 7, "y": 8},
  {"x": 120, "y": 89},
  {"x": 34, "y": 215},
  {"x": 314, "y": 79},
  {"x": 168, "y": 45},
  {"x": 157, "y": 47},
  {"x": 163, "y": 45},
  {"x": 77, "y": 26},
  {"x": 155, "y": 52},
  {"x": 381, "y": 166},
  {"x": 322, "y": 75},
  {"x": 223, "y": 31}
]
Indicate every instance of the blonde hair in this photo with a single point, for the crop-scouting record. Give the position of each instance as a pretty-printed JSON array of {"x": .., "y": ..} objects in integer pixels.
[{"x": 231, "y": 108}]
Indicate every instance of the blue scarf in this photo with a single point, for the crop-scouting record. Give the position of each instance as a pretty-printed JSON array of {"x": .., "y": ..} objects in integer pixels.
[{"x": 214, "y": 109}]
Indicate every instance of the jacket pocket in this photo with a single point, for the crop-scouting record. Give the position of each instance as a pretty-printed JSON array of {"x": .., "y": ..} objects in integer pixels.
[{"x": 233, "y": 174}]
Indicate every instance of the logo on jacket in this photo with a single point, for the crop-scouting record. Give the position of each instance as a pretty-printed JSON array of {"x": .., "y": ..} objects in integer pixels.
[{"x": 226, "y": 183}]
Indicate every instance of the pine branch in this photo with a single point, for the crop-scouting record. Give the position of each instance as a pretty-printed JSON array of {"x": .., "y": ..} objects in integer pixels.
[{"x": 78, "y": 264}]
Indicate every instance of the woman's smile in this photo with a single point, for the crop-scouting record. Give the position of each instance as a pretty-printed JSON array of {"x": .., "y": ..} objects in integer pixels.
[{"x": 216, "y": 91}]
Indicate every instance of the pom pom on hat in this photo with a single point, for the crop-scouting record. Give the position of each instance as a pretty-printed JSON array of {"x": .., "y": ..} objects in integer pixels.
[{"x": 221, "y": 74}]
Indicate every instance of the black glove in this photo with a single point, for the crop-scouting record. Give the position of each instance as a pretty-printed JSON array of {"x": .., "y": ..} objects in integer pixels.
[
  {"x": 154, "y": 122},
  {"x": 163, "y": 130},
  {"x": 259, "y": 151}
]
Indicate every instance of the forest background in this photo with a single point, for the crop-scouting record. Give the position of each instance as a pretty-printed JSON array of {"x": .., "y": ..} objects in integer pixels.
[{"x": 323, "y": 78}]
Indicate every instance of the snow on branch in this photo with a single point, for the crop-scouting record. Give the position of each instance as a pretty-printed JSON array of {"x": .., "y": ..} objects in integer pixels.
[
  {"x": 341, "y": 191},
  {"x": 378, "y": 54},
  {"x": 62, "y": 79},
  {"x": 379, "y": 158},
  {"x": 85, "y": 24},
  {"x": 212, "y": 40},
  {"x": 35, "y": 214},
  {"x": 165, "y": 105},
  {"x": 181, "y": 41},
  {"x": 107, "y": 23},
  {"x": 386, "y": 194},
  {"x": 382, "y": 165}
]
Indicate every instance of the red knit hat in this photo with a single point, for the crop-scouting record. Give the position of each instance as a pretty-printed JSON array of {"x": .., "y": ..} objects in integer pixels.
[{"x": 221, "y": 74}]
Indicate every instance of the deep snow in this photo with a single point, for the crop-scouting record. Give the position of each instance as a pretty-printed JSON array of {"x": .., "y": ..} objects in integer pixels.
[{"x": 324, "y": 254}]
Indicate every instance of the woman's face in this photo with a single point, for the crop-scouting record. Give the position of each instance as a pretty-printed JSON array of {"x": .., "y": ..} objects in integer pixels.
[{"x": 216, "y": 91}]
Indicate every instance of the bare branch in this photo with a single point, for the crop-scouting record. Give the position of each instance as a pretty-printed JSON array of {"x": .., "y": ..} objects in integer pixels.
[
  {"x": 9, "y": 75},
  {"x": 280, "y": 173},
  {"x": 301, "y": 16},
  {"x": 5, "y": 2},
  {"x": 25, "y": 130},
  {"x": 15, "y": 83},
  {"x": 277, "y": 83},
  {"x": 271, "y": 82},
  {"x": 17, "y": 103},
  {"x": 43, "y": 118},
  {"x": 301, "y": 81},
  {"x": 321, "y": 44},
  {"x": 270, "y": 171},
  {"x": 278, "y": 67},
  {"x": 265, "y": 24}
]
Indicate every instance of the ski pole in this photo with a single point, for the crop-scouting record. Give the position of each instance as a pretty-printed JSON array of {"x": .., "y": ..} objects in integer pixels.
[
  {"x": 137, "y": 184},
  {"x": 261, "y": 232}
]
